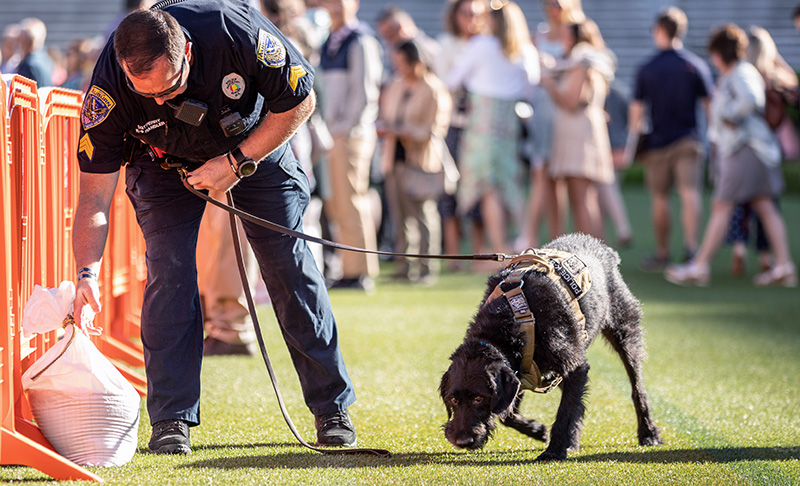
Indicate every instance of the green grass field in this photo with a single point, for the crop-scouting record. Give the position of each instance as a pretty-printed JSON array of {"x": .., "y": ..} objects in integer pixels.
[{"x": 721, "y": 375}]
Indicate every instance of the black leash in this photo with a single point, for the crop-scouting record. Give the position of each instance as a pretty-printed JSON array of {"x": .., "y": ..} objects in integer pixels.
[
  {"x": 233, "y": 212},
  {"x": 252, "y": 308},
  {"x": 497, "y": 257}
]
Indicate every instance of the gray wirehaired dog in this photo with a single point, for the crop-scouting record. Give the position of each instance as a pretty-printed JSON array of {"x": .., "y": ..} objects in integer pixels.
[{"x": 572, "y": 292}]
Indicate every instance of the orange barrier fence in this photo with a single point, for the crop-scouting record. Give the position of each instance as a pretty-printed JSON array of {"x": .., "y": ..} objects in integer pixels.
[{"x": 39, "y": 179}]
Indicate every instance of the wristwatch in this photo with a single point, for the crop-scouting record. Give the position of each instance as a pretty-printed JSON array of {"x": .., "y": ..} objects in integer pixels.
[{"x": 245, "y": 166}]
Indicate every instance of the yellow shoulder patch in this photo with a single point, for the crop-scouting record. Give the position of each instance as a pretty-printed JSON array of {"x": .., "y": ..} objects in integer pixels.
[
  {"x": 270, "y": 50},
  {"x": 296, "y": 73},
  {"x": 87, "y": 146}
]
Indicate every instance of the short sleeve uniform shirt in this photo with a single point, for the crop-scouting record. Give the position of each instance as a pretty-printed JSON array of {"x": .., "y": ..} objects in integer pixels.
[{"x": 242, "y": 68}]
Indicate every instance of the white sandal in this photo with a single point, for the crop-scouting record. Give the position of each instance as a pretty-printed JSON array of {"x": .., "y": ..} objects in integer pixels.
[
  {"x": 688, "y": 274},
  {"x": 783, "y": 275}
]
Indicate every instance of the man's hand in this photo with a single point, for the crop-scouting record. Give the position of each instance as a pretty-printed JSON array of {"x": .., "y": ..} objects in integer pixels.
[
  {"x": 87, "y": 294},
  {"x": 216, "y": 174}
]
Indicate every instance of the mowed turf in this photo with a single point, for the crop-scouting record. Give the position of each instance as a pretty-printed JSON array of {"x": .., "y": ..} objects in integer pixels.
[{"x": 721, "y": 376}]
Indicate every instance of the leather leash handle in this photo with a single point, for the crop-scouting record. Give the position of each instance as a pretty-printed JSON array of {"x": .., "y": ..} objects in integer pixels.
[
  {"x": 498, "y": 257},
  {"x": 252, "y": 308}
]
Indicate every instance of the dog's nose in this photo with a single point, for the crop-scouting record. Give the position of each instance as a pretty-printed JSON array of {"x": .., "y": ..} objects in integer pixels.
[{"x": 464, "y": 441}]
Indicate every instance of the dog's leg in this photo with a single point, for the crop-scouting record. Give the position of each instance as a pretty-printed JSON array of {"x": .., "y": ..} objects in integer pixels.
[
  {"x": 627, "y": 341},
  {"x": 529, "y": 427},
  {"x": 566, "y": 430}
]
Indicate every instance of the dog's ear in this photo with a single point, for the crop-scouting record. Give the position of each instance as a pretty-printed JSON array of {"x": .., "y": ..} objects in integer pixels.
[
  {"x": 443, "y": 387},
  {"x": 506, "y": 387}
]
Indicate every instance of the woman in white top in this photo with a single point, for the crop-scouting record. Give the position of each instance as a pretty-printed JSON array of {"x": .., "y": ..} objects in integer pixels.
[
  {"x": 497, "y": 70},
  {"x": 545, "y": 199},
  {"x": 464, "y": 19},
  {"x": 748, "y": 163}
]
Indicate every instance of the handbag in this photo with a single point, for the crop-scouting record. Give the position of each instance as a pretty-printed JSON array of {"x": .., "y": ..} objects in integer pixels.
[
  {"x": 420, "y": 185},
  {"x": 774, "y": 108}
]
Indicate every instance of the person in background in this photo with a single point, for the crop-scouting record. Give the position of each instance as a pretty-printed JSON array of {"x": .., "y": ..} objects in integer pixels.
[
  {"x": 581, "y": 155},
  {"x": 396, "y": 26},
  {"x": 748, "y": 163},
  {"x": 612, "y": 205},
  {"x": 351, "y": 67},
  {"x": 498, "y": 69},
  {"x": 10, "y": 54},
  {"x": 415, "y": 114},
  {"x": 35, "y": 63},
  {"x": 79, "y": 59},
  {"x": 545, "y": 198},
  {"x": 463, "y": 20},
  {"x": 781, "y": 81},
  {"x": 671, "y": 85}
]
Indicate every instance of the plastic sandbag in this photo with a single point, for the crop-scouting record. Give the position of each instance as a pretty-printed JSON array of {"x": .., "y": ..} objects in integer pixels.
[
  {"x": 82, "y": 404},
  {"x": 46, "y": 308}
]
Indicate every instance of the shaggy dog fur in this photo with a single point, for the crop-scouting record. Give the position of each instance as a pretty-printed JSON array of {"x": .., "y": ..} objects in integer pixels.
[{"x": 481, "y": 381}]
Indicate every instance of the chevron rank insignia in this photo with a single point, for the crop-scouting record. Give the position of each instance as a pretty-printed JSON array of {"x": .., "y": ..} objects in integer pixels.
[
  {"x": 96, "y": 107},
  {"x": 296, "y": 73},
  {"x": 86, "y": 146}
]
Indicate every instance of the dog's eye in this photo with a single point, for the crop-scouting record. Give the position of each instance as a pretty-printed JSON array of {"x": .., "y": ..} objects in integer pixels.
[
  {"x": 477, "y": 400},
  {"x": 454, "y": 400}
]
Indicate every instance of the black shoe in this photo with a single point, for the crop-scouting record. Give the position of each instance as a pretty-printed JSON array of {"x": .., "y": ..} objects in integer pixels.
[
  {"x": 215, "y": 347},
  {"x": 654, "y": 263},
  {"x": 170, "y": 437},
  {"x": 688, "y": 255},
  {"x": 361, "y": 283},
  {"x": 335, "y": 430}
]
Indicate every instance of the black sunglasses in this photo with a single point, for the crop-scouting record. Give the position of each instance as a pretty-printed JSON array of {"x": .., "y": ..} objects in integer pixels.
[{"x": 167, "y": 91}]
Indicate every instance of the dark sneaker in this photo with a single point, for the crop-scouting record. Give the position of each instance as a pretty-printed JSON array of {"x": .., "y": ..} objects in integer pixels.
[
  {"x": 215, "y": 347},
  {"x": 654, "y": 263},
  {"x": 688, "y": 255},
  {"x": 335, "y": 430},
  {"x": 170, "y": 437},
  {"x": 364, "y": 283}
]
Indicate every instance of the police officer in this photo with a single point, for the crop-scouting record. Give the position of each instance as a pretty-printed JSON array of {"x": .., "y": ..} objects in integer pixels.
[{"x": 215, "y": 84}]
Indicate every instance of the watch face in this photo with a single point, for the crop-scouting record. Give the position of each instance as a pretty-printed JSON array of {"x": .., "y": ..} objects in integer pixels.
[{"x": 247, "y": 168}]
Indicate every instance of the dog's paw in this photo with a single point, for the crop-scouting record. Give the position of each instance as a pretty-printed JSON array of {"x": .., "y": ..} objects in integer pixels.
[
  {"x": 651, "y": 440},
  {"x": 548, "y": 456},
  {"x": 540, "y": 433}
]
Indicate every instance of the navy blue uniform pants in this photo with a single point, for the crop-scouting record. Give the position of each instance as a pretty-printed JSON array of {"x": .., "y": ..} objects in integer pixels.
[{"x": 172, "y": 323}]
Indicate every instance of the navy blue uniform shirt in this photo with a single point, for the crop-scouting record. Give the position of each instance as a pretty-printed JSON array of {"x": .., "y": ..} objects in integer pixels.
[
  {"x": 671, "y": 84},
  {"x": 241, "y": 66}
]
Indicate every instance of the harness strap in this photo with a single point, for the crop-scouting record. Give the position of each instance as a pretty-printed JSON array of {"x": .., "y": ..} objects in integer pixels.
[{"x": 567, "y": 272}]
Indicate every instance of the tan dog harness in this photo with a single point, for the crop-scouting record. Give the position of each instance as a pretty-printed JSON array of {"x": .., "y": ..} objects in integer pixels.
[{"x": 570, "y": 274}]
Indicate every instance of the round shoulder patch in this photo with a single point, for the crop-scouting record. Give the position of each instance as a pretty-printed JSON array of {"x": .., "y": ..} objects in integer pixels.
[
  {"x": 233, "y": 86},
  {"x": 96, "y": 107},
  {"x": 270, "y": 50}
]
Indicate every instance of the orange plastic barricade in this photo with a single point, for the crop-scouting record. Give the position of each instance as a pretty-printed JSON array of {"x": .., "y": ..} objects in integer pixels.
[
  {"x": 24, "y": 228},
  {"x": 62, "y": 110}
]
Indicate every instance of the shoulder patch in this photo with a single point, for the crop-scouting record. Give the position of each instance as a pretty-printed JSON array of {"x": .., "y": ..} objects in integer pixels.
[
  {"x": 270, "y": 50},
  {"x": 296, "y": 73},
  {"x": 96, "y": 107}
]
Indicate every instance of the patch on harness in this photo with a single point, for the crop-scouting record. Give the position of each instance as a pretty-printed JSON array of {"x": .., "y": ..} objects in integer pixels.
[{"x": 518, "y": 303}]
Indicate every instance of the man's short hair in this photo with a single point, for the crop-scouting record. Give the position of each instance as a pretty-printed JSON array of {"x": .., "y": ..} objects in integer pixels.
[
  {"x": 729, "y": 41},
  {"x": 673, "y": 21},
  {"x": 796, "y": 12},
  {"x": 144, "y": 36}
]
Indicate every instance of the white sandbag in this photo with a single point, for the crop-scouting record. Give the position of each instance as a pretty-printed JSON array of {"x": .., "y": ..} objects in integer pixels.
[
  {"x": 80, "y": 401},
  {"x": 46, "y": 308}
]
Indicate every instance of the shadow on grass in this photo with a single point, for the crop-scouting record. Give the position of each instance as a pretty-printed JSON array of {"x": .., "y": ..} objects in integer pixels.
[
  {"x": 307, "y": 460},
  {"x": 707, "y": 455}
]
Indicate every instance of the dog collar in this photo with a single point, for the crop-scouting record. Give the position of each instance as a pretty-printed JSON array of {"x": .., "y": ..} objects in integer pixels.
[{"x": 570, "y": 274}]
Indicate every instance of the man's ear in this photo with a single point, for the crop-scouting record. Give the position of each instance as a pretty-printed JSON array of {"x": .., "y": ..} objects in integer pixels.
[{"x": 506, "y": 387}]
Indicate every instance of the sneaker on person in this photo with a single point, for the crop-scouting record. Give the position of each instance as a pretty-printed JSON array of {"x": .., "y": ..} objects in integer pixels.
[
  {"x": 215, "y": 347},
  {"x": 335, "y": 430},
  {"x": 170, "y": 437}
]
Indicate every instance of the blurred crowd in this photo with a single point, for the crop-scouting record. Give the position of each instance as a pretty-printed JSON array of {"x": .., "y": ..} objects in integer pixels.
[{"x": 492, "y": 138}]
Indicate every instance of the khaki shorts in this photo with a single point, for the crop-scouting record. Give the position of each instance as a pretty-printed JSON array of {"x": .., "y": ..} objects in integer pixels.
[{"x": 680, "y": 163}]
